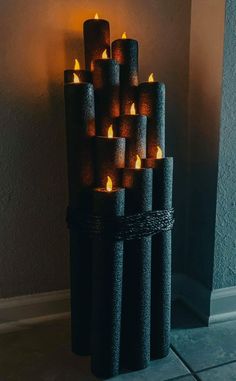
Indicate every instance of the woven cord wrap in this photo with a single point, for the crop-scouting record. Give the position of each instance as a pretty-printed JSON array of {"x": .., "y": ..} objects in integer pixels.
[{"x": 130, "y": 227}]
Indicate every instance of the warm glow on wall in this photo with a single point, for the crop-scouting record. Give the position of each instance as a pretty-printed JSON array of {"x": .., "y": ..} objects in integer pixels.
[
  {"x": 96, "y": 16},
  {"x": 132, "y": 109},
  {"x": 138, "y": 162},
  {"x": 76, "y": 78},
  {"x": 104, "y": 54},
  {"x": 151, "y": 78},
  {"x": 76, "y": 65},
  {"x": 159, "y": 153},
  {"x": 124, "y": 35},
  {"x": 109, "y": 184},
  {"x": 110, "y": 132}
]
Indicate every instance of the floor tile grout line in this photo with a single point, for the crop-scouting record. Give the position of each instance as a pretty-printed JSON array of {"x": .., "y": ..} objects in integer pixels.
[
  {"x": 216, "y": 366},
  {"x": 193, "y": 373}
]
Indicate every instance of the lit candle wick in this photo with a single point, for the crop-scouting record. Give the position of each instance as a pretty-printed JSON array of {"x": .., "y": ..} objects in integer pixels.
[
  {"x": 109, "y": 184},
  {"x": 138, "y": 162}
]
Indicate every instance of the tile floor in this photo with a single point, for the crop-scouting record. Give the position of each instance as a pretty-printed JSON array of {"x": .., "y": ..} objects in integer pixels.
[{"x": 42, "y": 353}]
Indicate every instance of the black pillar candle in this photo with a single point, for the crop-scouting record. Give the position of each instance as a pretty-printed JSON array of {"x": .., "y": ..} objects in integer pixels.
[
  {"x": 107, "y": 288},
  {"x": 161, "y": 259},
  {"x": 125, "y": 52},
  {"x": 106, "y": 79},
  {"x": 80, "y": 128},
  {"x": 152, "y": 103},
  {"x": 96, "y": 40},
  {"x": 136, "y": 309},
  {"x": 134, "y": 128},
  {"x": 109, "y": 158}
]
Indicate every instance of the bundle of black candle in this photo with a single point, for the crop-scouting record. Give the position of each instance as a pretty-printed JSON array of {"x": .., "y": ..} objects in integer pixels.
[{"x": 120, "y": 212}]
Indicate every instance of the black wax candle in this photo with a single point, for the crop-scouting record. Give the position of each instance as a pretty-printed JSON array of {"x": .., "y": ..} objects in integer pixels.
[
  {"x": 96, "y": 40},
  {"x": 161, "y": 259},
  {"x": 106, "y": 79},
  {"x": 80, "y": 128},
  {"x": 136, "y": 309},
  {"x": 152, "y": 104},
  {"x": 83, "y": 75},
  {"x": 134, "y": 128},
  {"x": 125, "y": 52},
  {"x": 107, "y": 287},
  {"x": 109, "y": 158}
]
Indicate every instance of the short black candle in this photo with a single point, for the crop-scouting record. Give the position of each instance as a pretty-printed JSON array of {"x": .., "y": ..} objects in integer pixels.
[
  {"x": 134, "y": 128},
  {"x": 83, "y": 75},
  {"x": 106, "y": 80},
  {"x": 125, "y": 52},
  {"x": 152, "y": 103},
  {"x": 135, "y": 338},
  {"x": 96, "y": 40},
  {"x": 161, "y": 259},
  {"x": 80, "y": 129},
  {"x": 107, "y": 288},
  {"x": 109, "y": 158}
]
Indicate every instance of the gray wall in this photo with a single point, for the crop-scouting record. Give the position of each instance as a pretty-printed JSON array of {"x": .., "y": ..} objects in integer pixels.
[
  {"x": 38, "y": 40},
  {"x": 205, "y": 78},
  {"x": 225, "y": 238}
]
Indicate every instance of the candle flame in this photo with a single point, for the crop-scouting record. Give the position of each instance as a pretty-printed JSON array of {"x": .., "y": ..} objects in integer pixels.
[
  {"x": 76, "y": 78},
  {"x": 96, "y": 16},
  {"x": 159, "y": 153},
  {"x": 138, "y": 162},
  {"x": 132, "y": 109},
  {"x": 151, "y": 78},
  {"x": 110, "y": 132},
  {"x": 124, "y": 35},
  {"x": 76, "y": 65},
  {"x": 104, "y": 54},
  {"x": 109, "y": 184}
]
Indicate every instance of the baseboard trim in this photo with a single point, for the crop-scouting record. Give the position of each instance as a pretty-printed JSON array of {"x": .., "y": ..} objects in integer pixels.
[
  {"x": 211, "y": 306},
  {"x": 19, "y": 312}
]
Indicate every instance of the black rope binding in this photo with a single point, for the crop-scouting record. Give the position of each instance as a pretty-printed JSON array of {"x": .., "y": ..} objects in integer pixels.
[{"x": 119, "y": 228}]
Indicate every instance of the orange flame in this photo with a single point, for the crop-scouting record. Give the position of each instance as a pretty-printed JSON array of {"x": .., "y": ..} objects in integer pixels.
[
  {"x": 104, "y": 54},
  {"x": 76, "y": 65},
  {"x": 124, "y": 35},
  {"x": 110, "y": 132},
  {"x": 96, "y": 16},
  {"x": 138, "y": 162},
  {"x": 151, "y": 78},
  {"x": 76, "y": 78},
  {"x": 132, "y": 109},
  {"x": 159, "y": 154},
  {"x": 109, "y": 184}
]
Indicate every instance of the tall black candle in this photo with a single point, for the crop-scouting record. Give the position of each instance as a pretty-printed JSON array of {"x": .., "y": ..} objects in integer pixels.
[
  {"x": 96, "y": 40},
  {"x": 109, "y": 158},
  {"x": 106, "y": 80},
  {"x": 161, "y": 259},
  {"x": 152, "y": 104},
  {"x": 82, "y": 75},
  {"x": 107, "y": 287},
  {"x": 135, "y": 337},
  {"x": 125, "y": 52},
  {"x": 134, "y": 129},
  {"x": 80, "y": 128}
]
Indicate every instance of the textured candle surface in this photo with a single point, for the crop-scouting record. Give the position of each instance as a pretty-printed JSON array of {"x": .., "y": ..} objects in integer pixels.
[
  {"x": 152, "y": 103},
  {"x": 106, "y": 80},
  {"x": 135, "y": 339},
  {"x": 161, "y": 260},
  {"x": 96, "y": 40},
  {"x": 125, "y": 52},
  {"x": 109, "y": 158},
  {"x": 134, "y": 128},
  {"x": 107, "y": 288}
]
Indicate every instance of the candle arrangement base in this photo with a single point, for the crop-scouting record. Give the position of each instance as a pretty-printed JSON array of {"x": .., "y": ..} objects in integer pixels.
[{"x": 120, "y": 212}]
